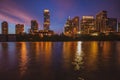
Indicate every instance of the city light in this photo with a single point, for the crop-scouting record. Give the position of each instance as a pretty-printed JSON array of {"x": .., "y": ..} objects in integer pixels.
[
  {"x": 46, "y": 10},
  {"x": 73, "y": 28},
  {"x": 94, "y": 34}
]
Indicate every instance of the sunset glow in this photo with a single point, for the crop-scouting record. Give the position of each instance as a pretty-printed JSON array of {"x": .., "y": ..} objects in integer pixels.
[{"x": 22, "y": 11}]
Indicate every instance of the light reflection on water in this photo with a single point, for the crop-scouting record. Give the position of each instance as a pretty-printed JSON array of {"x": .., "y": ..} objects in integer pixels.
[
  {"x": 23, "y": 58},
  {"x": 90, "y": 60},
  {"x": 78, "y": 60}
]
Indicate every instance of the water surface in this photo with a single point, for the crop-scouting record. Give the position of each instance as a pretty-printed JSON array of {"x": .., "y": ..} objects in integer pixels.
[{"x": 90, "y": 60}]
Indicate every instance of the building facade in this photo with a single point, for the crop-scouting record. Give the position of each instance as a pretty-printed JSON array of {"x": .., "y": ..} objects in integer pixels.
[
  {"x": 119, "y": 27},
  {"x": 112, "y": 25},
  {"x": 101, "y": 21},
  {"x": 76, "y": 25},
  {"x": 34, "y": 26},
  {"x": 4, "y": 25},
  {"x": 19, "y": 29},
  {"x": 43, "y": 33},
  {"x": 68, "y": 27},
  {"x": 87, "y": 24},
  {"x": 46, "y": 24},
  {"x": 72, "y": 26}
]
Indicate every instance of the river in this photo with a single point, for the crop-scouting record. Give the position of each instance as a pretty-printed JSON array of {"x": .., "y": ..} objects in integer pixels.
[{"x": 82, "y": 60}]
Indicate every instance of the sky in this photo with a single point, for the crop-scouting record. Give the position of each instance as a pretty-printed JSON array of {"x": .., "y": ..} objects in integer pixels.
[{"x": 23, "y": 11}]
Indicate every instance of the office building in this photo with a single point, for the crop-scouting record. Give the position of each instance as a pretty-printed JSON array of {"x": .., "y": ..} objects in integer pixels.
[
  {"x": 4, "y": 25},
  {"x": 76, "y": 25},
  {"x": 46, "y": 24},
  {"x": 72, "y": 27},
  {"x": 112, "y": 25},
  {"x": 101, "y": 21},
  {"x": 34, "y": 26},
  {"x": 119, "y": 27},
  {"x": 68, "y": 27},
  {"x": 19, "y": 29},
  {"x": 48, "y": 33},
  {"x": 87, "y": 24}
]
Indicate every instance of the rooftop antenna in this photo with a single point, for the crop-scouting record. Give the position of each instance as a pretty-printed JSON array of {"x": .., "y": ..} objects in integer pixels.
[{"x": 69, "y": 17}]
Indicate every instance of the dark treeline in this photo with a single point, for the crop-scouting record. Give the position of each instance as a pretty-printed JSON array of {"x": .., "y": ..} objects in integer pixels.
[{"x": 36, "y": 37}]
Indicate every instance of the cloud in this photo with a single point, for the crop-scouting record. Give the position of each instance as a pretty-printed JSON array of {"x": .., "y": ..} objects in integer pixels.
[
  {"x": 11, "y": 12},
  {"x": 4, "y": 17}
]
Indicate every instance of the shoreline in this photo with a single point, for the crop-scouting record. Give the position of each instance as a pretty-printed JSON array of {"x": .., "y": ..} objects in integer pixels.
[{"x": 57, "y": 38}]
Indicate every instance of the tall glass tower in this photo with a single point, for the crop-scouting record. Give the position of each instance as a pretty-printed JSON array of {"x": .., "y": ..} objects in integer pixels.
[{"x": 46, "y": 19}]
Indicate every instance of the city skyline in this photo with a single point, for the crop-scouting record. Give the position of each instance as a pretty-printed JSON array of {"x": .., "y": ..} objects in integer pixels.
[{"x": 15, "y": 11}]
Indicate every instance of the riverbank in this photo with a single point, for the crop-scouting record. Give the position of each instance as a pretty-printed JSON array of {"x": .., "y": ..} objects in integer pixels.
[{"x": 56, "y": 38}]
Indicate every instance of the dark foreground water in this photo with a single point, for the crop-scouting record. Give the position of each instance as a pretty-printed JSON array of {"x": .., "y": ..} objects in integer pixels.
[{"x": 90, "y": 60}]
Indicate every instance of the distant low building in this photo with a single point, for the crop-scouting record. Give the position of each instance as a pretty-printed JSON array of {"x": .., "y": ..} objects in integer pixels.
[
  {"x": 3, "y": 38},
  {"x": 12, "y": 37},
  {"x": 8, "y": 37},
  {"x": 48, "y": 33}
]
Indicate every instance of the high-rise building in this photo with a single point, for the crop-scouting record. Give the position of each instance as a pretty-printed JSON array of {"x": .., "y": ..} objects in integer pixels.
[
  {"x": 76, "y": 24},
  {"x": 112, "y": 25},
  {"x": 19, "y": 28},
  {"x": 46, "y": 19},
  {"x": 68, "y": 27},
  {"x": 34, "y": 26},
  {"x": 101, "y": 21},
  {"x": 119, "y": 27},
  {"x": 4, "y": 25},
  {"x": 87, "y": 24},
  {"x": 46, "y": 25},
  {"x": 71, "y": 27}
]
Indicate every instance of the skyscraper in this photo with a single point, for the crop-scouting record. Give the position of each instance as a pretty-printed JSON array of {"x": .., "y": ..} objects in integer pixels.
[
  {"x": 46, "y": 19},
  {"x": 118, "y": 26},
  {"x": 87, "y": 24},
  {"x": 19, "y": 28},
  {"x": 71, "y": 27},
  {"x": 34, "y": 26},
  {"x": 4, "y": 25},
  {"x": 68, "y": 27},
  {"x": 76, "y": 24},
  {"x": 112, "y": 25},
  {"x": 101, "y": 21}
]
